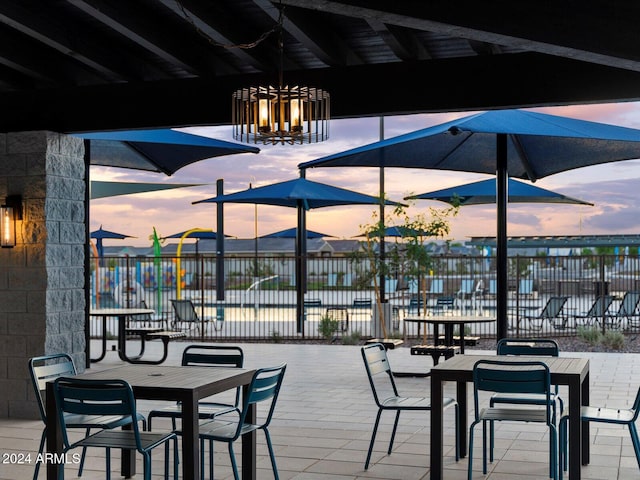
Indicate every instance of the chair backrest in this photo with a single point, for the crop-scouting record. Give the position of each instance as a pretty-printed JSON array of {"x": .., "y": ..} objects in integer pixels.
[
  {"x": 185, "y": 311},
  {"x": 553, "y": 307},
  {"x": 213, "y": 356},
  {"x": 94, "y": 398},
  {"x": 636, "y": 406},
  {"x": 629, "y": 303},
  {"x": 45, "y": 369},
  {"x": 444, "y": 303},
  {"x": 378, "y": 370},
  {"x": 511, "y": 377},
  {"x": 528, "y": 346},
  {"x": 600, "y": 306},
  {"x": 264, "y": 387}
]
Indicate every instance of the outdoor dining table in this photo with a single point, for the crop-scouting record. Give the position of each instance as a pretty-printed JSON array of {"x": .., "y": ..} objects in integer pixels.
[
  {"x": 449, "y": 322},
  {"x": 187, "y": 385},
  {"x": 573, "y": 372},
  {"x": 121, "y": 314}
]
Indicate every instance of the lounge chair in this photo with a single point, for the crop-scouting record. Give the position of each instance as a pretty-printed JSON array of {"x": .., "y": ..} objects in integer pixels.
[
  {"x": 186, "y": 316},
  {"x": 551, "y": 312},
  {"x": 627, "y": 311},
  {"x": 597, "y": 313}
]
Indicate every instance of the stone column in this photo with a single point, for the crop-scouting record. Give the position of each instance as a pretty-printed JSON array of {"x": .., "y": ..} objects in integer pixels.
[{"x": 42, "y": 299}]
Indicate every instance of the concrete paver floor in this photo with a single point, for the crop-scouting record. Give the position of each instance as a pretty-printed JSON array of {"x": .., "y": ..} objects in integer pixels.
[{"x": 325, "y": 414}]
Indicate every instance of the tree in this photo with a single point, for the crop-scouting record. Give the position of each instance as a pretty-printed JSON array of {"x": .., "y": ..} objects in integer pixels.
[{"x": 414, "y": 255}]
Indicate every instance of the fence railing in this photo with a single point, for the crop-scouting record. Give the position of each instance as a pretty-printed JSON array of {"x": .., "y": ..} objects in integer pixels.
[{"x": 259, "y": 300}]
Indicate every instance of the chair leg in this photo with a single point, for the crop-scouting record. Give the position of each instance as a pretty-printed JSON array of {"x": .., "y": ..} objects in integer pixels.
[
  {"x": 84, "y": 454},
  {"x": 635, "y": 441},
  {"x": 108, "y": 462},
  {"x": 233, "y": 462},
  {"x": 562, "y": 446},
  {"x": 470, "y": 452},
  {"x": 484, "y": 446},
  {"x": 43, "y": 438},
  {"x": 373, "y": 439},
  {"x": 271, "y": 455},
  {"x": 457, "y": 430},
  {"x": 393, "y": 432}
]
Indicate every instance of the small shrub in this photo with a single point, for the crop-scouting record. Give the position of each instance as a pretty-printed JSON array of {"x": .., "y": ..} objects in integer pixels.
[
  {"x": 353, "y": 338},
  {"x": 592, "y": 335},
  {"x": 327, "y": 326},
  {"x": 613, "y": 340},
  {"x": 276, "y": 337}
]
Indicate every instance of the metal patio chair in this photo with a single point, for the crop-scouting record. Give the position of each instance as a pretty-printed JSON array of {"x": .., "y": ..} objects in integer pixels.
[
  {"x": 615, "y": 416},
  {"x": 94, "y": 398},
  {"x": 47, "y": 368},
  {"x": 387, "y": 397},
  {"x": 531, "y": 378},
  {"x": 264, "y": 387},
  {"x": 201, "y": 356},
  {"x": 537, "y": 347}
]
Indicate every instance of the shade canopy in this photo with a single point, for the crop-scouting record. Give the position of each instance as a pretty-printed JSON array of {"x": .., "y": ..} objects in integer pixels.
[
  {"x": 298, "y": 192},
  {"x": 507, "y": 143},
  {"x": 158, "y": 150},
  {"x": 291, "y": 233},
  {"x": 538, "y": 145},
  {"x": 484, "y": 192},
  {"x": 100, "y": 189}
]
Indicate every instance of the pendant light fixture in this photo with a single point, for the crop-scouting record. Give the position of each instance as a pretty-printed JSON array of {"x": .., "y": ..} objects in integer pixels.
[{"x": 282, "y": 114}]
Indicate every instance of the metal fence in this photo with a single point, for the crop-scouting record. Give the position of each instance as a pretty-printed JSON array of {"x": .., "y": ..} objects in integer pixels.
[{"x": 260, "y": 301}]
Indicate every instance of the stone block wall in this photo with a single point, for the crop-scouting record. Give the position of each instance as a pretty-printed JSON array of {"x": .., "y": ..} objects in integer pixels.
[{"x": 42, "y": 299}]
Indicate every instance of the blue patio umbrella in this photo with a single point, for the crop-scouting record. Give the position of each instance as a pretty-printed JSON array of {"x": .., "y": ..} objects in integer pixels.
[
  {"x": 101, "y": 234},
  {"x": 158, "y": 150},
  {"x": 484, "y": 192},
  {"x": 303, "y": 195},
  {"x": 292, "y": 232},
  {"x": 508, "y": 143}
]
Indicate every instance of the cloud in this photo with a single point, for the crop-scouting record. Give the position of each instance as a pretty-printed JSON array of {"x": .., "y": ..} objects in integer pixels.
[{"x": 612, "y": 187}]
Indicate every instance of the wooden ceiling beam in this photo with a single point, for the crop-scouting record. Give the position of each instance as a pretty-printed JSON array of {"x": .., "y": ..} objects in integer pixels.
[{"x": 481, "y": 83}]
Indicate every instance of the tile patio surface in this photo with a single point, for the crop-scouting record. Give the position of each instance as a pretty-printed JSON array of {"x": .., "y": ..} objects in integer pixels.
[{"x": 326, "y": 411}]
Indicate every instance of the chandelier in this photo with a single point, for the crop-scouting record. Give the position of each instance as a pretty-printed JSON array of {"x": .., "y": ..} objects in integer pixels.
[{"x": 286, "y": 114}]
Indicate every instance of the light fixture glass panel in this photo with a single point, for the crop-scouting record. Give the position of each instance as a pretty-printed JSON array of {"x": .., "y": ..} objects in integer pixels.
[{"x": 7, "y": 227}]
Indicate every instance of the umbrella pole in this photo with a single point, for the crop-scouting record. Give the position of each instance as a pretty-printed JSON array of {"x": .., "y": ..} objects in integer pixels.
[
  {"x": 300, "y": 258},
  {"x": 501, "y": 237}
]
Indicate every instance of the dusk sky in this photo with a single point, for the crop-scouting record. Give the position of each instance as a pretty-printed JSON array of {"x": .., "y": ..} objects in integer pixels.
[{"x": 613, "y": 188}]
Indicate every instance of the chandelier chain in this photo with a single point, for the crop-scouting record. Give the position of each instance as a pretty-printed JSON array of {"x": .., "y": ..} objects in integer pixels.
[{"x": 277, "y": 28}]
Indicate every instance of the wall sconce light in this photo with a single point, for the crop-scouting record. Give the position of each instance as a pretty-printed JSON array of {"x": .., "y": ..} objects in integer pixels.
[{"x": 10, "y": 213}]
